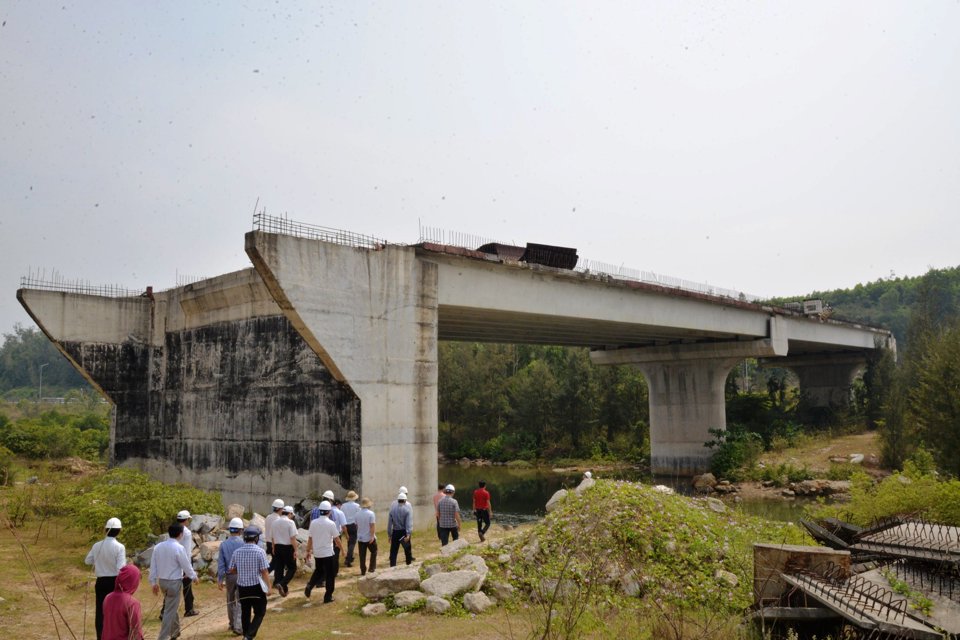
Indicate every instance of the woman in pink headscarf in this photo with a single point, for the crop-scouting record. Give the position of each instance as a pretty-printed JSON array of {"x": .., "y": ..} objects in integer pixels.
[{"x": 121, "y": 611}]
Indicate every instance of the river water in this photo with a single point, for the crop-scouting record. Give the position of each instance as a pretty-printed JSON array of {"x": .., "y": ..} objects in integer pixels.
[{"x": 519, "y": 495}]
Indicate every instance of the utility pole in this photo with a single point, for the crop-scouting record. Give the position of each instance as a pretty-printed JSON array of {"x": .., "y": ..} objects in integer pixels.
[{"x": 40, "y": 392}]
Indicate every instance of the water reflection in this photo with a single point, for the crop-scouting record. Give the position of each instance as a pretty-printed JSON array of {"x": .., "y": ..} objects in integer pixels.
[{"x": 519, "y": 495}]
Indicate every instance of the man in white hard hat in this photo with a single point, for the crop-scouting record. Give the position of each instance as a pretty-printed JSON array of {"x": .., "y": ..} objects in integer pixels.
[
  {"x": 268, "y": 522},
  {"x": 107, "y": 557},
  {"x": 169, "y": 567},
  {"x": 227, "y": 579},
  {"x": 399, "y": 529},
  {"x": 184, "y": 519},
  {"x": 323, "y": 543},
  {"x": 448, "y": 516},
  {"x": 284, "y": 550}
]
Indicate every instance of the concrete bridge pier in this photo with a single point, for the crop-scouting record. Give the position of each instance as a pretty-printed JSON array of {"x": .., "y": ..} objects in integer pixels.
[
  {"x": 825, "y": 381},
  {"x": 370, "y": 314},
  {"x": 686, "y": 389}
]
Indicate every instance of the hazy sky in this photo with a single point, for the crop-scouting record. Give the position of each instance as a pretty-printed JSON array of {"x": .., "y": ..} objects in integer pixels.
[{"x": 775, "y": 148}]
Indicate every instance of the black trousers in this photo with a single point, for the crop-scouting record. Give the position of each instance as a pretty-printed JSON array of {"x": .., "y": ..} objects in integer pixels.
[
  {"x": 372, "y": 548},
  {"x": 103, "y": 587},
  {"x": 187, "y": 594},
  {"x": 483, "y": 520},
  {"x": 446, "y": 532},
  {"x": 252, "y": 601},
  {"x": 284, "y": 564},
  {"x": 351, "y": 542},
  {"x": 324, "y": 570},
  {"x": 396, "y": 541}
]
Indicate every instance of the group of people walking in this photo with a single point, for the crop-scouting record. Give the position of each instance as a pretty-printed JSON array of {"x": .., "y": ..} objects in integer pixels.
[{"x": 248, "y": 556}]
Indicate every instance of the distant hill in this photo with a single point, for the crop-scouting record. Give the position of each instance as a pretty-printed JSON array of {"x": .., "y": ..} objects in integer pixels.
[{"x": 887, "y": 302}]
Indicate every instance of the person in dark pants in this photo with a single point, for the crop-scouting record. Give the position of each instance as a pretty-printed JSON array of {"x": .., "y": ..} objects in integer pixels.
[
  {"x": 399, "y": 528},
  {"x": 107, "y": 556},
  {"x": 324, "y": 539},
  {"x": 448, "y": 516},
  {"x": 250, "y": 564},
  {"x": 366, "y": 535},
  {"x": 184, "y": 518},
  {"x": 284, "y": 550},
  {"x": 350, "y": 509},
  {"x": 482, "y": 509}
]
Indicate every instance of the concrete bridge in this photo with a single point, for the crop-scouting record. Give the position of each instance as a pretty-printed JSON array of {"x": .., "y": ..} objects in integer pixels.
[{"x": 317, "y": 368}]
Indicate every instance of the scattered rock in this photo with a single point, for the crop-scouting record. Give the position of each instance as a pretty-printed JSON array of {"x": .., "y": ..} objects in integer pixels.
[
  {"x": 663, "y": 489},
  {"x": 531, "y": 550},
  {"x": 670, "y": 546},
  {"x": 388, "y": 582},
  {"x": 406, "y": 599},
  {"x": 716, "y": 505},
  {"x": 436, "y": 604},
  {"x": 856, "y": 458},
  {"x": 208, "y": 550},
  {"x": 258, "y": 521},
  {"x": 374, "y": 609},
  {"x": 143, "y": 558},
  {"x": 727, "y": 577},
  {"x": 585, "y": 484},
  {"x": 725, "y": 486},
  {"x": 454, "y": 546},
  {"x": 474, "y": 563},
  {"x": 556, "y": 499},
  {"x": 503, "y": 558},
  {"x": 787, "y": 493},
  {"x": 205, "y": 523},
  {"x": 432, "y": 569},
  {"x": 452, "y": 583},
  {"x": 902, "y": 479},
  {"x": 235, "y": 511},
  {"x": 500, "y": 590},
  {"x": 630, "y": 584},
  {"x": 476, "y": 602},
  {"x": 704, "y": 482}
]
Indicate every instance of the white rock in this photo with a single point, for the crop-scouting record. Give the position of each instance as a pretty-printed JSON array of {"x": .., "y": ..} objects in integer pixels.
[
  {"x": 663, "y": 489},
  {"x": 205, "y": 523},
  {"x": 716, "y": 505},
  {"x": 208, "y": 550},
  {"x": 504, "y": 558},
  {"x": 556, "y": 499},
  {"x": 235, "y": 511},
  {"x": 436, "y": 604},
  {"x": 727, "y": 577},
  {"x": 473, "y": 563},
  {"x": 406, "y": 599},
  {"x": 447, "y": 585},
  {"x": 374, "y": 609},
  {"x": 389, "y": 581},
  {"x": 585, "y": 484},
  {"x": 476, "y": 602},
  {"x": 432, "y": 569},
  {"x": 500, "y": 590},
  {"x": 453, "y": 547},
  {"x": 258, "y": 521},
  {"x": 856, "y": 458}
]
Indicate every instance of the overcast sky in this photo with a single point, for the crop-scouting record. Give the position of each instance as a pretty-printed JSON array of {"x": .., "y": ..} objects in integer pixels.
[{"x": 776, "y": 148}]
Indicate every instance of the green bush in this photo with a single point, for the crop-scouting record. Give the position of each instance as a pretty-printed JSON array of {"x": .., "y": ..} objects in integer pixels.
[
  {"x": 734, "y": 452},
  {"x": 53, "y": 434},
  {"x": 145, "y": 506},
  {"x": 6, "y": 466},
  {"x": 781, "y": 474}
]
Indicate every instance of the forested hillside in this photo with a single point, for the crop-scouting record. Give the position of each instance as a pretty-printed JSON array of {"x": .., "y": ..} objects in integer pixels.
[
  {"x": 23, "y": 353},
  {"x": 887, "y": 302}
]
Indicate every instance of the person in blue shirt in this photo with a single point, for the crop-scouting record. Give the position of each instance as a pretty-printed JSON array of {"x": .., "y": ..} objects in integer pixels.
[{"x": 229, "y": 580}]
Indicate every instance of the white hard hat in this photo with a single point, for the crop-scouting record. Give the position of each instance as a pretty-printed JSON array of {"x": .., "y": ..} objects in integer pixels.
[
  {"x": 449, "y": 489},
  {"x": 402, "y": 496},
  {"x": 113, "y": 523},
  {"x": 328, "y": 494},
  {"x": 184, "y": 515},
  {"x": 278, "y": 504},
  {"x": 288, "y": 509},
  {"x": 235, "y": 524},
  {"x": 587, "y": 474},
  {"x": 324, "y": 506},
  {"x": 403, "y": 489}
]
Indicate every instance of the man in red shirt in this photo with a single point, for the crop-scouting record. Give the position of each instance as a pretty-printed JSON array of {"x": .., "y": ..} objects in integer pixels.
[{"x": 482, "y": 509}]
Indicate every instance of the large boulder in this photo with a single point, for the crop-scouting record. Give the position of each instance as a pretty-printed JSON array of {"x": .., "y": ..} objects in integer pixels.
[
  {"x": 452, "y": 583},
  {"x": 502, "y": 591},
  {"x": 235, "y": 511},
  {"x": 208, "y": 550},
  {"x": 704, "y": 482},
  {"x": 476, "y": 602},
  {"x": 585, "y": 484},
  {"x": 205, "y": 523},
  {"x": 452, "y": 547},
  {"x": 258, "y": 521},
  {"x": 473, "y": 563},
  {"x": 373, "y": 609},
  {"x": 381, "y": 584},
  {"x": 556, "y": 499},
  {"x": 143, "y": 558},
  {"x": 436, "y": 604}
]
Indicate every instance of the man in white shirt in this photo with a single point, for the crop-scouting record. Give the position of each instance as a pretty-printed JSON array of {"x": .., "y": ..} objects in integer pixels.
[
  {"x": 367, "y": 536},
  {"x": 184, "y": 519},
  {"x": 169, "y": 567},
  {"x": 267, "y": 533},
  {"x": 284, "y": 532},
  {"x": 107, "y": 557},
  {"x": 324, "y": 542},
  {"x": 350, "y": 509}
]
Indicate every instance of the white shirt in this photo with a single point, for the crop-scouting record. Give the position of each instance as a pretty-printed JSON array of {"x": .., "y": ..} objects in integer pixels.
[
  {"x": 268, "y": 526},
  {"x": 365, "y": 518},
  {"x": 169, "y": 562},
  {"x": 107, "y": 557},
  {"x": 322, "y": 532},
  {"x": 187, "y": 540},
  {"x": 284, "y": 531},
  {"x": 350, "y": 510}
]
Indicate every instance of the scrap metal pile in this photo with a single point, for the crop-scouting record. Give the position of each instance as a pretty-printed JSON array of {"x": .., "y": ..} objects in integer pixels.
[{"x": 920, "y": 560}]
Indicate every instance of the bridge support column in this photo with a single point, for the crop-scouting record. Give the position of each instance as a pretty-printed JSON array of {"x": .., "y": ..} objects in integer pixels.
[
  {"x": 686, "y": 389},
  {"x": 825, "y": 380},
  {"x": 370, "y": 314}
]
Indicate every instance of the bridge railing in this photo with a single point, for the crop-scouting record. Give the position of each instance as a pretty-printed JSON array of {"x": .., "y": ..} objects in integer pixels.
[
  {"x": 56, "y": 282},
  {"x": 287, "y": 227},
  {"x": 625, "y": 273}
]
